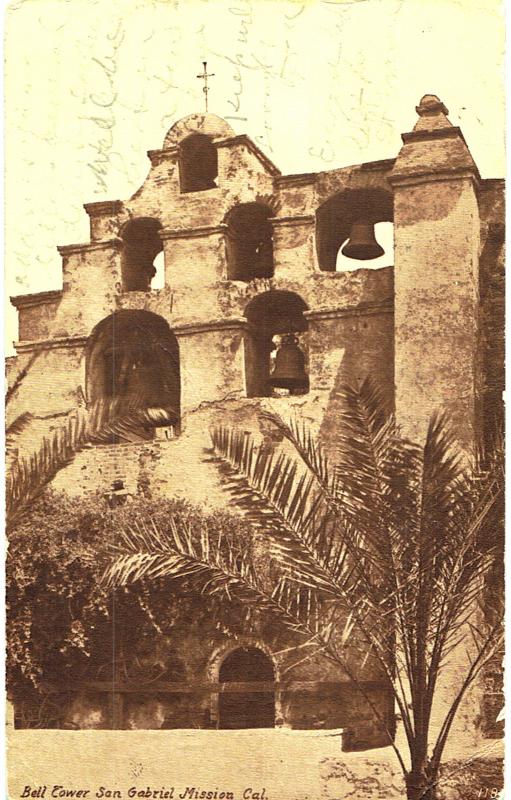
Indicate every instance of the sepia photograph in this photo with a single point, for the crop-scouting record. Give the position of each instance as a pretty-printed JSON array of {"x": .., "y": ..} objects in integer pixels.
[{"x": 254, "y": 401}]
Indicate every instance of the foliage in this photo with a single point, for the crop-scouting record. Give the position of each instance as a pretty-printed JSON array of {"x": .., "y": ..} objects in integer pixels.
[
  {"x": 60, "y": 616},
  {"x": 389, "y": 549}
]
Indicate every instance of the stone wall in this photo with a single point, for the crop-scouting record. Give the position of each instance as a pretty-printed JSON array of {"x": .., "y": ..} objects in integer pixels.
[{"x": 415, "y": 328}]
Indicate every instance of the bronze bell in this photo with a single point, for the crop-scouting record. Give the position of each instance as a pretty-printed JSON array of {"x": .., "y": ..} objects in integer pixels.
[
  {"x": 362, "y": 243},
  {"x": 289, "y": 370}
]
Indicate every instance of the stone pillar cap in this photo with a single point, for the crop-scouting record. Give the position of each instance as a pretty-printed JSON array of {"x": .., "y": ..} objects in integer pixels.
[
  {"x": 435, "y": 147},
  {"x": 431, "y": 104},
  {"x": 432, "y": 114}
]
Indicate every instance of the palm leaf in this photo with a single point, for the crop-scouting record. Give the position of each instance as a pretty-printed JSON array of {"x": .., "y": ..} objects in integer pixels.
[
  {"x": 30, "y": 474},
  {"x": 12, "y": 432},
  {"x": 279, "y": 501},
  {"x": 208, "y": 563}
]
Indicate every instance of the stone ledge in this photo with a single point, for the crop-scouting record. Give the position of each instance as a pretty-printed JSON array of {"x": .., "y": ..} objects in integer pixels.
[
  {"x": 68, "y": 249},
  {"x": 254, "y": 149},
  {"x": 191, "y": 233},
  {"x": 50, "y": 344},
  {"x": 383, "y": 165},
  {"x": 299, "y": 219},
  {"x": 489, "y": 182},
  {"x": 452, "y": 132},
  {"x": 301, "y": 179},
  {"x": 156, "y": 157},
  {"x": 103, "y": 208},
  {"x": 229, "y": 323},
  {"x": 362, "y": 310},
  {"x": 428, "y": 176},
  {"x": 36, "y": 299}
]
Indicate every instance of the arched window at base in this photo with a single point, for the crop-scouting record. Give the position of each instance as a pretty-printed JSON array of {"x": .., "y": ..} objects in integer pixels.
[
  {"x": 252, "y": 708},
  {"x": 276, "y": 345}
]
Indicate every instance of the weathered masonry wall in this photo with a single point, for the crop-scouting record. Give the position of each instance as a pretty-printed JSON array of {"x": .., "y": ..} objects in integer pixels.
[
  {"x": 436, "y": 302},
  {"x": 250, "y": 257}
]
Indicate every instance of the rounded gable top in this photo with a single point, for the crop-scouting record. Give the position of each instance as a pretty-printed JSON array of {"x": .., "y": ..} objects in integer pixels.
[{"x": 208, "y": 124}]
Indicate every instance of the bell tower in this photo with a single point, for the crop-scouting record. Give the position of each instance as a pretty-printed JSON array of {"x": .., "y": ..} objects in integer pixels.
[{"x": 436, "y": 273}]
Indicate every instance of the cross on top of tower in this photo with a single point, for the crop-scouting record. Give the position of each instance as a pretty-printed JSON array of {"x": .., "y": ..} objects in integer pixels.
[{"x": 205, "y": 77}]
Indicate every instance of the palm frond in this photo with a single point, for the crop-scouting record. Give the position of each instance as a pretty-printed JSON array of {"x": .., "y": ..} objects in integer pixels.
[
  {"x": 12, "y": 432},
  {"x": 281, "y": 502},
  {"x": 386, "y": 553},
  {"x": 102, "y": 422},
  {"x": 20, "y": 377},
  {"x": 19, "y": 424},
  {"x": 304, "y": 444},
  {"x": 207, "y": 562}
]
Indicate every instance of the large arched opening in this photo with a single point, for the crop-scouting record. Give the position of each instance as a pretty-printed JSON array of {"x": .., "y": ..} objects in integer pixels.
[
  {"x": 133, "y": 359},
  {"x": 254, "y": 707}
]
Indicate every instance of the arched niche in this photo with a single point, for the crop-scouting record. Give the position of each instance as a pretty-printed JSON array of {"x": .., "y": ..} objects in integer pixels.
[
  {"x": 335, "y": 217},
  {"x": 133, "y": 357},
  {"x": 271, "y": 317},
  {"x": 249, "y": 242},
  {"x": 198, "y": 164},
  {"x": 142, "y": 244},
  {"x": 253, "y": 708}
]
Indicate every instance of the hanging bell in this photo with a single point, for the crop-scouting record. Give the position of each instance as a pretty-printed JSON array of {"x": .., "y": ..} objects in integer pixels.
[
  {"x": 289, "y": 370},
  {"x": 362, "y": 243}
]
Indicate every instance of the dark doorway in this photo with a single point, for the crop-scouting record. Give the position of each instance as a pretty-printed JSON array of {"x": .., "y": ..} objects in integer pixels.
[{"x": 251, "y": 709}]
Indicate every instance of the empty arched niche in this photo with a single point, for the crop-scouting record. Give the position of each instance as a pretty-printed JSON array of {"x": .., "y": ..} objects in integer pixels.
[
  {"x": 142, "y": 244},
  {"x": 276, "y": 360},
  {"x": 133, "y": 357},
  {"x": 348, "y": 233},
  {"x": 253, "y": 708},
  {"x": 198, "y": 163},
  {"x": 249, "y": 242}
]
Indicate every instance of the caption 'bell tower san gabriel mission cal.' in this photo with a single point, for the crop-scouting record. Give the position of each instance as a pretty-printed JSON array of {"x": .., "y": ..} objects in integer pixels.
[{"x": 258, "y": 312}]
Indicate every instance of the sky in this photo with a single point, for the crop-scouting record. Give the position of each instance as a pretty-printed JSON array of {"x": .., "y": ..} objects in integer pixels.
[{"x": 90, "y": 86}]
